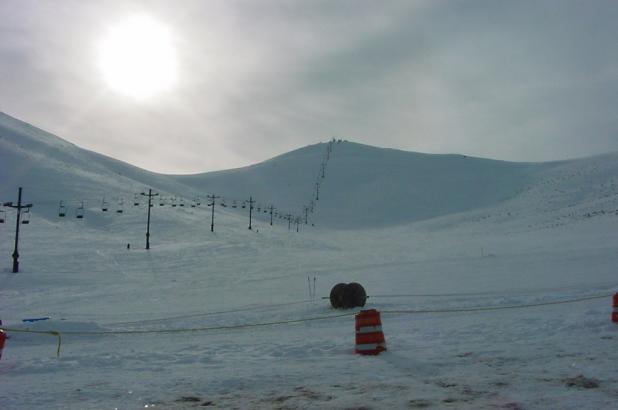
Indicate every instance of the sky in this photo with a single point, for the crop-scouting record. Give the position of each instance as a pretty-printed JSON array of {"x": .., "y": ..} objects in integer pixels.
[{"x": 512, "y": 80}]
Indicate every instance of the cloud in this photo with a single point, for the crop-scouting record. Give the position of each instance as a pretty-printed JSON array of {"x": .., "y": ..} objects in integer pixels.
[{"x": 510, "y": 80}]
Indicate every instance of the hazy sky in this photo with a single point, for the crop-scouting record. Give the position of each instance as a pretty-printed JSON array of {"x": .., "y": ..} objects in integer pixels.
[{"x": 515, "y": 80}]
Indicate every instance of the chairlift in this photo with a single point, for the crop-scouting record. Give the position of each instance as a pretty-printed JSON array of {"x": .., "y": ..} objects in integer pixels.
[
  {"x": 62, "y": 210},
  {"x": 104, "y": 205},
  {"x": 234, "y": 204},
  {"x": 120, "y": 204},
  {"x": 182, "y": 202},
  {"x": 223, "y": 204},
  {"x": 26, "y": 217},
  {"x": 161, "y": 203},
  {"x": 79, "y": 212},
  {"x": 2, "y": 216},
  {"x": 135, "y": 201},
  {"x": 244, "y": 205},
  {"x": 174, "y": 202}
]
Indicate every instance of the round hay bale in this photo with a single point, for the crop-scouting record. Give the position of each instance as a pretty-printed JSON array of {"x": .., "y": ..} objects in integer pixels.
[
  {"x": 336, "y": 295},
  {"x": 354, "y": 295}
]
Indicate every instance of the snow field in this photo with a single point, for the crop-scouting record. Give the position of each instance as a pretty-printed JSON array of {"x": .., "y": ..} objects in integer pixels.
[
  {"x": 420, "y": 232},
  {"x": 459, "y": 360}
]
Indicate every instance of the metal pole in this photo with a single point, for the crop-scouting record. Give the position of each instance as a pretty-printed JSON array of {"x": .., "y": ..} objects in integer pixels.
[
  {"x": 148, "y": 224},
  {"x": 16, "y": 252},
  {"x": 212, "y": 197},
  {"x": 250, "y": 209},
  {"x": 212, "y": 217},
  {"x": 150, "y": 195},
  {"x": 19, "y": 206}
]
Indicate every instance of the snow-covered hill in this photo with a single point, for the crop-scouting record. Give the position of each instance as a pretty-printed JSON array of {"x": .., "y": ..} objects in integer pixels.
[
  {"x": 361, "y": 186},
  {"x": 365, "y": 186},
  {"x": 422, "y": 233}
]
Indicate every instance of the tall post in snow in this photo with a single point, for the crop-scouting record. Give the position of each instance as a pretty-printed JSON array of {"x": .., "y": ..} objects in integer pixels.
[
  {"x": 212, "y": 217},
  {"x": 149, "y": 195},
  {"x": 251, "y": 202},
  {"x": 19, "y": 207},
  {"x": 272, "y": 208}
]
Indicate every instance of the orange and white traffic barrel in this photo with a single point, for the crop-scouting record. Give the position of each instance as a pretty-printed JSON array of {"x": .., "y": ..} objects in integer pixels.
[
  {"x": 369, "y": 335},
  {"x": 615, "y": 309},
  {"x": 2, "y": 340}
]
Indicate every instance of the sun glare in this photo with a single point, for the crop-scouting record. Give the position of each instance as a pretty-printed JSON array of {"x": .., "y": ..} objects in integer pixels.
[{"x": 137, "y": 59}]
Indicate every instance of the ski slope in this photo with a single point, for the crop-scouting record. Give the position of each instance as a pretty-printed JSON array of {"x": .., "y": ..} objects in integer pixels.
[{"x": 422, "y": 233}]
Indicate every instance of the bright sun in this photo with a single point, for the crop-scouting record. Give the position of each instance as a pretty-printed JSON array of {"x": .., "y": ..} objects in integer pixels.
[{"x": 137, "y": 59}]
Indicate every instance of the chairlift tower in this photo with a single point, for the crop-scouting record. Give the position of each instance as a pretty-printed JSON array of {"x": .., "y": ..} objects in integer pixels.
[
  {"x": 251, "y": 202},
  {"x": 212, "y": 198},
  {"x": 271, "y": 209},
  {"x": 149, "y": 195},
  {"x": 19, "y": 207}
]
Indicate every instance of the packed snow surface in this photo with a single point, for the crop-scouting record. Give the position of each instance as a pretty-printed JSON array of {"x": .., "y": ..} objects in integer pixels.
[{"x": 190, "y": 322}]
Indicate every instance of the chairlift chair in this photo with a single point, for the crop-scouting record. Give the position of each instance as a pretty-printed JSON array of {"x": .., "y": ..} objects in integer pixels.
[
  {"x": 173, "y": 202},
  {"x": 120, "y": 204},
  {"x": 62, "y": 210},
  {"x": 104, "y": 205},
  {"x": 135, "y": 201},
  {"x": 26, "y": 217},
  {"x": 2, "y": 216},
  {"x": 234, "y": 204},
  {"x": 79, "y": 212}
]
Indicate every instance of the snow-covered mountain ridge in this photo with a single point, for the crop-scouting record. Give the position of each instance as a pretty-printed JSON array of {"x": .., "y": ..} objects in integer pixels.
[{"x": 363, "y": 186}]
